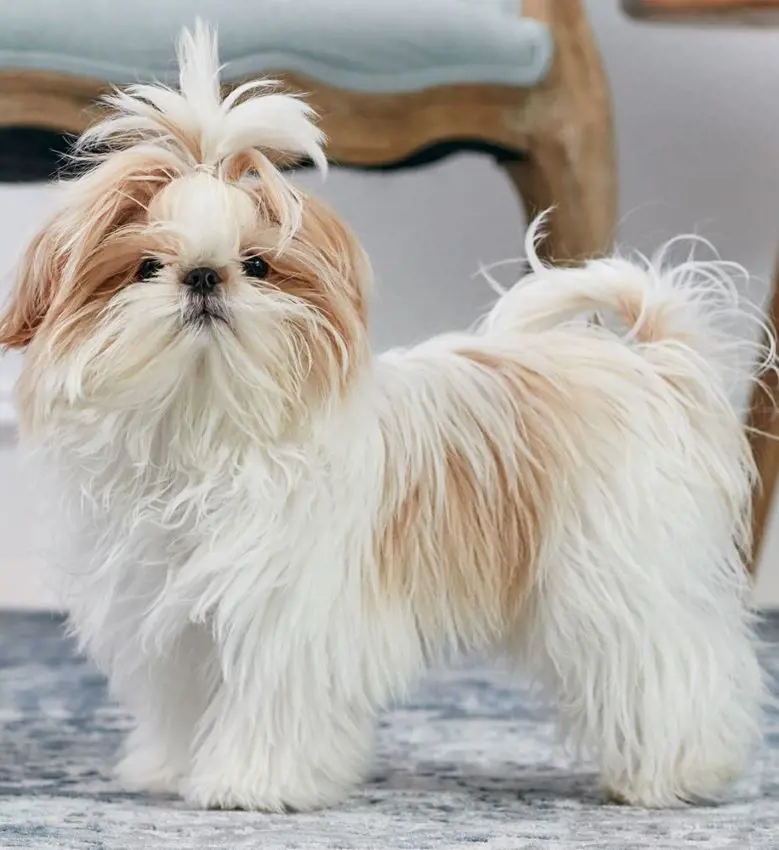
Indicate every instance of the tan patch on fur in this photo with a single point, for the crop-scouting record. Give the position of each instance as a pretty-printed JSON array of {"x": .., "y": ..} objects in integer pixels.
[
  {"x": 463, "y": 540},
  {"x": 324, "y": 267}
]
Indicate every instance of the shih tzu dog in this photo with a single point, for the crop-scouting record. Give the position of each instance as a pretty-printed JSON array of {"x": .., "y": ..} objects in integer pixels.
[{"x": 269, "y": 533}]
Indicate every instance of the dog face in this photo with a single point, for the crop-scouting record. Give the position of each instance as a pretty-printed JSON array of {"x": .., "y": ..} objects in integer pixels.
[{"x": 185, "y": 269}]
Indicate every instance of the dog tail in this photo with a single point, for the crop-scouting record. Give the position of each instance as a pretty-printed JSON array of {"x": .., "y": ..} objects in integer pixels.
[{"x": 692, "y": 307}]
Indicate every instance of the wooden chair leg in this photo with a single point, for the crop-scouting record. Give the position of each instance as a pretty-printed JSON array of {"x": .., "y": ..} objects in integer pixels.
[
  {"x": 763, "y": 422},
  {"x": 578, "y": 182},
  {"x": 570, "y": 151}
]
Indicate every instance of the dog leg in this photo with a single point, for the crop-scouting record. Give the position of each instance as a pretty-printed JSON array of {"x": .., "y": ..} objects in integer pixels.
[
  {"x": 169, "y": 695},
  {"x": 646, "y": 641},
  {"x": 301, "y": 749}
]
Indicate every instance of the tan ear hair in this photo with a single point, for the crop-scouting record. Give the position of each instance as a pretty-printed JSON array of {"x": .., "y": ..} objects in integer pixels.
[
  {"x": 101, "y": 203},
  {"x": 341, "y": 250},
  {"x": 34, "y": 288}
]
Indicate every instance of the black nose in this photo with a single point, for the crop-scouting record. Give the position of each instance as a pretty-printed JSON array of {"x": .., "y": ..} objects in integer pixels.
[{"x": 202, "y": 279}]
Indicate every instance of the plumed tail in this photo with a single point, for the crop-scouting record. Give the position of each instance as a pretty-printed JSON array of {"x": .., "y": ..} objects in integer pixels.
[
  {"x": 688, "y": 325},
  {"x": 692, "y": 307}
]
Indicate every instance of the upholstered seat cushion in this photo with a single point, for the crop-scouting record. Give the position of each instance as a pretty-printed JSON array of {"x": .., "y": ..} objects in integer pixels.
[{"x": 361, "y": 45}]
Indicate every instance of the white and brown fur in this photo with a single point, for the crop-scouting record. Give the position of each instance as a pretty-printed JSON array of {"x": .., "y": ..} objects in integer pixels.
[{"x": 269, "y": 533}]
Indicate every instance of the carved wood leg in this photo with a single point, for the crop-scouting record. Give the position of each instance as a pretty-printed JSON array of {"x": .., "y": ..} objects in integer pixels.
[
  {"x": 571, "y": 160},
  {"x": 763, "y": 422},
  {"x": 577, "y": 179}
]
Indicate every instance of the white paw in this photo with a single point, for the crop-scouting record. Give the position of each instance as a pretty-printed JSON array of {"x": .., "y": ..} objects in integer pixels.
[
  {"x": 142, "y": 770},
  {"x": 262, "y": 797},
  {"x": 704, "y": 786},
  {"x": 643, "y": 797},
  {"x": 225, "y": 795}
]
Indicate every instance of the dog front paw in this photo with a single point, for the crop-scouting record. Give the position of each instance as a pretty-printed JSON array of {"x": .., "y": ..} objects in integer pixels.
[
  {"x": 150, "y": 763},
  {"x": 141, "y": 770},
  {"x": 230, "y": 795},
  {"x": 216, "y": 793}
]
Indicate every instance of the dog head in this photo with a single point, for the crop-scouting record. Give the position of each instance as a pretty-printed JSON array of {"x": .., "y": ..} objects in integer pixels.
[{"x": 185, "y": 270}]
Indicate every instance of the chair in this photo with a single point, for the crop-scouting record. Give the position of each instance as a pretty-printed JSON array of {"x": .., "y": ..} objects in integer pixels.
[{"x": 396, "y": 84}]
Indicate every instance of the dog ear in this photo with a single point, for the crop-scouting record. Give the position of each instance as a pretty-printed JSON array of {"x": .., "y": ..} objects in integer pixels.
[
  {"x": 340, "y": 250},
  {"x": 63, "y": 266},
  {"x": 33, "y": 292}
]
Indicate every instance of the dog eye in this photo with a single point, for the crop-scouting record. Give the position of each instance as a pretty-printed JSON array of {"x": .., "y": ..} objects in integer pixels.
[
  {"x": 256, "y": 267},
  {"x": 148, "y": 268}
]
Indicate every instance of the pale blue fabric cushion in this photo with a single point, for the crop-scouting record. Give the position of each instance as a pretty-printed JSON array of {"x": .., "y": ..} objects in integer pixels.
[{"x": 362, "y": 45}]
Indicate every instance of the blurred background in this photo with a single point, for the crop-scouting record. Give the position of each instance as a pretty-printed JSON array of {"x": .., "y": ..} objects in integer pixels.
[{"x": 696, "y": 114}]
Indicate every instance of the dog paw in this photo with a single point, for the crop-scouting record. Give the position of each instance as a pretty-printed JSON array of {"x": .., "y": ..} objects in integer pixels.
[
  {"x": 141, "y": 771},
  {"x": 224, "y": 793},
  {"x": 644, "y": 798},
  {"x": 229, "y": 796},
  {"x": 674, "y": 792}
]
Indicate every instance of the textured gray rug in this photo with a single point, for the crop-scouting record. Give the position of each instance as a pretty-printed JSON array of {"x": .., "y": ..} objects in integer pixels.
[{"x": 471, "y": 762}]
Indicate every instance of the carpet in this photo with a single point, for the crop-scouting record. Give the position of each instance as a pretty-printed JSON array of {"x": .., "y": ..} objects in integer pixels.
[{"x": 471, "y": 762}]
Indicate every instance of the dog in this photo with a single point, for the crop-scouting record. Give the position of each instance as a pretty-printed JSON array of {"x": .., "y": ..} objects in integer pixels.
[{"x": 267, "y": 533}]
